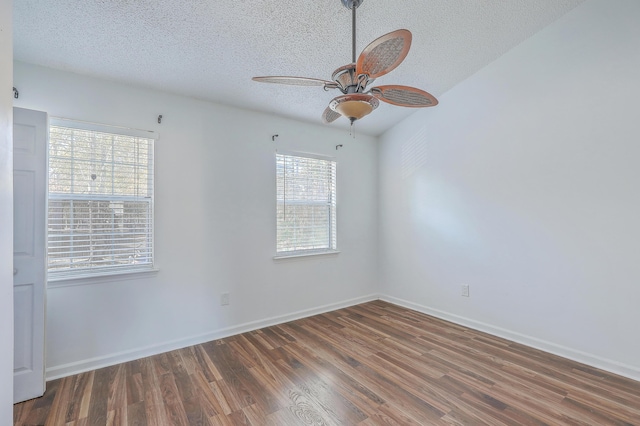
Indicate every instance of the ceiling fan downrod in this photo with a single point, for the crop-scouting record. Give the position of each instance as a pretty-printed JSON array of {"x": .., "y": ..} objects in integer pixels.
[{"x": 353, "y": 5}]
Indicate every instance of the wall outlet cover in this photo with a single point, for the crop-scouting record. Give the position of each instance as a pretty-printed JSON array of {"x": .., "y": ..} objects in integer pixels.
[
  {"x": 224, "y": 299},
  {"x": 465, "y": 290}
]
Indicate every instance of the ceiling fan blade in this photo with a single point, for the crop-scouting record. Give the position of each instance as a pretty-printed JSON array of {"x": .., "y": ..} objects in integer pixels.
[
  {"x": 384, "y": 54},
  {"x": 329, "y": 115},
  {"x": 296, "y": 81},
  {"x": 404, "y": 96}
]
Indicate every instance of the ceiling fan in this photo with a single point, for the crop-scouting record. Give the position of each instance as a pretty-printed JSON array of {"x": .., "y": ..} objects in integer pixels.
[{"x": 377, "y": 59}]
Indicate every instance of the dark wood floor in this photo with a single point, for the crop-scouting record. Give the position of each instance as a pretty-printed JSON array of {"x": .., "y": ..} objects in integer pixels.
[{"x": 372, "y": 364}]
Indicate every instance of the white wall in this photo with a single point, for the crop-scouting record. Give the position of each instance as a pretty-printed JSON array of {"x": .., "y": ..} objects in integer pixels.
[
  {"x": 215, "y": 225},
  {"x": 523, "y": 184},
  {"x": 6, "y": 214}
]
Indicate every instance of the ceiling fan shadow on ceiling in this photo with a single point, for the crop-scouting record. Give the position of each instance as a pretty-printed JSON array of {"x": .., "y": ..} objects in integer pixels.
[{"x": 377, "y": 59}]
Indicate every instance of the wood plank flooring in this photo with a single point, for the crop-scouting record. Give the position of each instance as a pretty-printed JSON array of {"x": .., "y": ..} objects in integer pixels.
[{"x": 371, "y": 364}]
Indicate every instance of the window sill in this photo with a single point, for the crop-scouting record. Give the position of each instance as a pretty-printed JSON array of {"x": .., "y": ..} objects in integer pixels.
[
  {"x": 98, "y": 279},
  {"x": 293, "y": 256}
]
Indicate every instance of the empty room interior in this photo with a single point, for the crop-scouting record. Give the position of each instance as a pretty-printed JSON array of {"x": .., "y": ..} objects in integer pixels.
[{"x": 454, "y": 243}]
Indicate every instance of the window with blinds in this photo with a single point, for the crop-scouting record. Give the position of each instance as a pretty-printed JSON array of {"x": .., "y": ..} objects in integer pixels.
[
  {"x": 100, "y": 215},
  {"x": 306, "y": 205}
]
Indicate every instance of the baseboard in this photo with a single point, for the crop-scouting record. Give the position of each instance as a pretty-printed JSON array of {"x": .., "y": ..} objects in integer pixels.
[
  {"x": 58, "y": 371},
  {"x": 611, "y": 366}
]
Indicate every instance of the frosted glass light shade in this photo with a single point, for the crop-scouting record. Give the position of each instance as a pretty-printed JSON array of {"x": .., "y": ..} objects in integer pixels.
[
  {"x": 354, "y": 106},
  {"x": 354, "y": 110}
]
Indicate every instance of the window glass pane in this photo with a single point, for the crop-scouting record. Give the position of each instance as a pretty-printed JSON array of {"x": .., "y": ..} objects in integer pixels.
[
  {"x": 100, "y": 216},
  {"x": 60, "y": 172},
  {"x": 306, "y": 206}
]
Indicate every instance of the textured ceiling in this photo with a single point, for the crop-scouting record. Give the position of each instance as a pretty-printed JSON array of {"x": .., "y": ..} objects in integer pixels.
[{"x": 210, "y": 49}]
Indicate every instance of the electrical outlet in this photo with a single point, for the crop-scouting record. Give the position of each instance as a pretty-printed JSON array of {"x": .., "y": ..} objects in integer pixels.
[
  {"x": 465, "y": 290},
  {"x": 224, "y": 299}
]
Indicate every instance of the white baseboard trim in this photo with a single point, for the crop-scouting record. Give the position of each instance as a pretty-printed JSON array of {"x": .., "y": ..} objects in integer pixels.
[
  {"x": 615, "y": 367},
  {"x": 58, "y": 371}
]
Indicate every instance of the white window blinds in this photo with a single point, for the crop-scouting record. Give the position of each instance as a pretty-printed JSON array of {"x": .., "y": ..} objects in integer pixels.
[
  {"x": 306, "y": 205},
  {"x": 100, "y": 216}
]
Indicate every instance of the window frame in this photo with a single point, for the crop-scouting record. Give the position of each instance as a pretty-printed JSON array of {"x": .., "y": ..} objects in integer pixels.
[
  {"x": 101, "y": 274},
  {"x": 331, "y": 203}
]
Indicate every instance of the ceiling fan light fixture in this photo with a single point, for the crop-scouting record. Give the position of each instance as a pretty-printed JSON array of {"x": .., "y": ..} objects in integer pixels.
[
  {"x": 354, "y": 106},
  {"x": 354, "y": 110}
]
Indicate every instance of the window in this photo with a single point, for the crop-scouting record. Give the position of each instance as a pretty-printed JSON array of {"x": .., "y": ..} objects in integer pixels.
[
  {"x": 100, "y": 215},
  {"x": 306, "y": 205}
]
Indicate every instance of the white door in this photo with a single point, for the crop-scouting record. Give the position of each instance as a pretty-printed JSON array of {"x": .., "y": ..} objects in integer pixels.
[{"x": 30, "y": 132}]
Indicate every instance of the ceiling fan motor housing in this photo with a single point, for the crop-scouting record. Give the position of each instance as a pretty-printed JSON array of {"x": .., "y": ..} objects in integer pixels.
[{"x": 348, "y": 81}]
